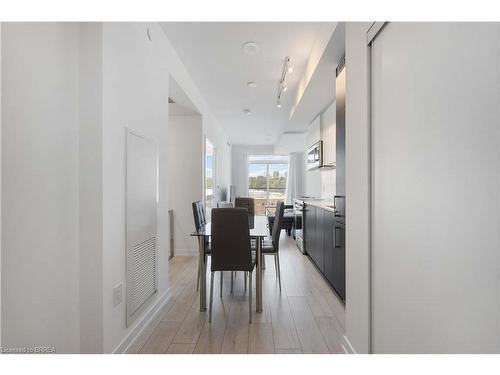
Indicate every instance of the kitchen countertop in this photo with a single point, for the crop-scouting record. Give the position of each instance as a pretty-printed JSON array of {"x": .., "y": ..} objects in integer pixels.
[{"x": 321, "y": 203}]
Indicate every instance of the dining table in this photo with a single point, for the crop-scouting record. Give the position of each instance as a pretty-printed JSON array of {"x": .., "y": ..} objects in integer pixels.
[{"x": 258, "y": 228}]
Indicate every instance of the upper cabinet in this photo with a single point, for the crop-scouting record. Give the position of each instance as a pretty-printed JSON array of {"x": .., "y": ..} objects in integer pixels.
[
  {"x": 314, "y": 132},
  {"x": 328, "y": 134}
]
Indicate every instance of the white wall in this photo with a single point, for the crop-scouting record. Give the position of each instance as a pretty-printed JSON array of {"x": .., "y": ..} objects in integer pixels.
[
  {"x": 0, "y": 183},
  {"x": 211, "y": 128},
  {"x": 68, "y": 92},
  {"x": 40, "y": 252},
  {"x": 357, "y": 320},
  {"x": 90, "y": 192},
  {"x": 135, "y": 95},
  {"x": 185, "y": 174},
  {"x": 498, "y": 333},
  {"x": 136, "y": 73}
]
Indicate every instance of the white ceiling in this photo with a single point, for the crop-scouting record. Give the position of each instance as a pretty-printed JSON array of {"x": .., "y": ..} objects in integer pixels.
[{"x": 213, "y": 56}]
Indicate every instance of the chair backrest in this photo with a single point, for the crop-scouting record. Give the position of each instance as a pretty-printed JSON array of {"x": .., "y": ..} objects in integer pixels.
[
  {"x": 249, "y": 205},
  {"x": 198, "y": 214},
  {"x": 224, "y": 205},
  {"x": 231, "y": 249},
  {"x": 278, "y": 222}
]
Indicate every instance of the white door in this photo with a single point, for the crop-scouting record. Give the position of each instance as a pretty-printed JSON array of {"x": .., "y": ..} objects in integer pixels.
[{"x": 435, "y": 181}]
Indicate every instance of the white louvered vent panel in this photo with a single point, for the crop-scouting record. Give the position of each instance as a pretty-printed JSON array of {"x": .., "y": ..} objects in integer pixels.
[{"x": 144, "y": 273}]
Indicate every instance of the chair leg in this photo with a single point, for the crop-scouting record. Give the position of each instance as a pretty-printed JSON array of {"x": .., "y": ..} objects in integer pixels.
[
  {"x": 250, "y": 297},
  {"x": 278, "y": 269},
  {"x": 263, "y": 262},
  {"x": 211, "y": 296},
  {"x": 221, "y": 277},
  {"x": 232, "y": 277},
  {"x": 245, "y": 273},
  {"x": 198, "y": 278},
  {"x": 276, "y": 265}
]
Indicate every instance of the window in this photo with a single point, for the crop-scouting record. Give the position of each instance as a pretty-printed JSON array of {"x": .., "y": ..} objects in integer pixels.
[
  {"x": 267, "y": 175},
  {"x": 210, "y": 176}
]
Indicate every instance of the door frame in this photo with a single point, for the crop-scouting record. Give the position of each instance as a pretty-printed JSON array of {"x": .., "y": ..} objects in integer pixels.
[
  {"x": 371, "y": 36},
  {"x": 215, "y": 172}
]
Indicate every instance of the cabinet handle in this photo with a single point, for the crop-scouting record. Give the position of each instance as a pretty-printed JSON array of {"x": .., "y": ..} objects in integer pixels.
[{"x": 335, "y": 237}]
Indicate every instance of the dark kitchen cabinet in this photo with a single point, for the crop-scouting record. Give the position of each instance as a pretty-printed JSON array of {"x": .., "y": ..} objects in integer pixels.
[
  {"x": 319, "y": 243},
  {"x": 325, "y": 245},
  {"x": 309, "y": 229},
  {"x": 314, "y": 235},
  {"x": 329, "y": 230},
  {"x": 338, "y": 273}
]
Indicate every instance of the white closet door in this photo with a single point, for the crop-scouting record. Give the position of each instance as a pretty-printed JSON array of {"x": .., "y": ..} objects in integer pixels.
[
  {"x": 142, "y": 203},
  {"x": 435, "y": 171}
]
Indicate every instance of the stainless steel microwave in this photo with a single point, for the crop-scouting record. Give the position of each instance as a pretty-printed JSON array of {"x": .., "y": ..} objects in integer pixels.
[{"x": 315, "y": 156}]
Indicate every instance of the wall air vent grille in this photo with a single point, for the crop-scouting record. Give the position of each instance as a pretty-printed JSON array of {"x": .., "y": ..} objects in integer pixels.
[{"x": 144, "y": 273}]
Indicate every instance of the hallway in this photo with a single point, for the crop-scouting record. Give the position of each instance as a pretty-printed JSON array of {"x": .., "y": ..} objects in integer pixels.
[{"x": 306, "y": 318}]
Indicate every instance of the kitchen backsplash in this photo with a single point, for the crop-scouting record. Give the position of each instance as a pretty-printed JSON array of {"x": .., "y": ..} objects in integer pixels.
[{"x": 327, "y": 183}]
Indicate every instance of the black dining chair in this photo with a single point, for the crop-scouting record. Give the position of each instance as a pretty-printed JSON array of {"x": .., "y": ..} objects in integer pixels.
[
  {"x": 272, "y": 246},
  {"x": 249, "y": 204},
  {"x": 199, "y": 222},
  {"x": 231, "y": 249}
]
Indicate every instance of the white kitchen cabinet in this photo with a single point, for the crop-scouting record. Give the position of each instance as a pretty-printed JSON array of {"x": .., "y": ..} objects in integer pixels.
[
  {"x": 327, "y": 126},
  {"x": 314, "y": 132}
]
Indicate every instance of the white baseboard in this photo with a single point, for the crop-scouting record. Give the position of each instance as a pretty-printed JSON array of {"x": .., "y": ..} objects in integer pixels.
[
  {"x": 143, "y": 323},
  {"x": 186, "y": 252},
  {"x": 346, "y": 345}
]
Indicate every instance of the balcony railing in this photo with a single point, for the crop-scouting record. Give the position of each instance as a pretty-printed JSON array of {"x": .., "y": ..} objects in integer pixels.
[{"x": 261, "y": 200}]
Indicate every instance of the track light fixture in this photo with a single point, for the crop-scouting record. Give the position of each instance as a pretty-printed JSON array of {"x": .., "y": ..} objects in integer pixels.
[{"x": 287, "y": 68}]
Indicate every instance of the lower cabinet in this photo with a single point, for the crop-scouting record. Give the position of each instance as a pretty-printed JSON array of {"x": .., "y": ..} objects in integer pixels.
[
  {"x": 325, "y": 245},
  {"x": 329, "y": 229},
  {"x": 338, "y": 274},
  {"x": 319, "y": 252},
  {"x": 309, "y": 229}
]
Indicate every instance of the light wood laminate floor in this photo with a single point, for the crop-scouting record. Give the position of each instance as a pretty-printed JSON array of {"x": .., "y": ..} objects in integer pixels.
[{"x": 306, "y": 317}]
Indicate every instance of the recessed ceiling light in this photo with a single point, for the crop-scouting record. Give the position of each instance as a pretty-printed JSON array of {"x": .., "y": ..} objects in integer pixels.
[
  {"x": 251, "y": 84},
  {"x": 290, "y": 69},
  {"x": 247, "y": 112},
  {"x": 278, "y": 105},
  {"x": 251, "y": 48}
]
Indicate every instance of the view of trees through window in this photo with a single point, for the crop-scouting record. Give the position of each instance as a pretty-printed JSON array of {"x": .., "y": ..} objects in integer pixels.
[{"x": 267, "y": 175}]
